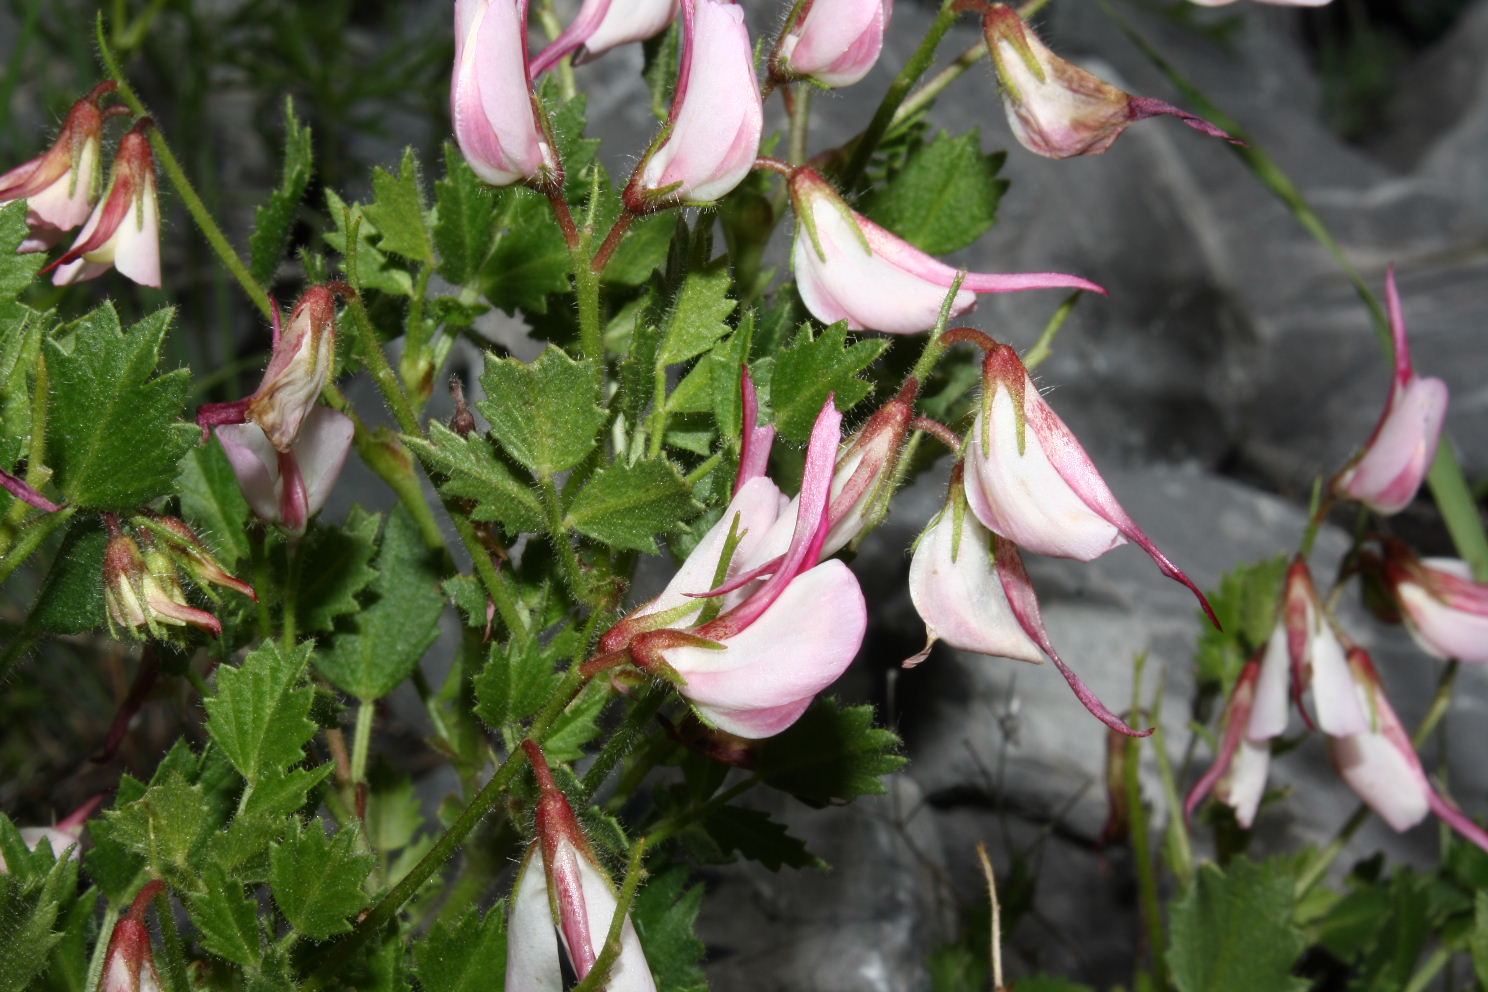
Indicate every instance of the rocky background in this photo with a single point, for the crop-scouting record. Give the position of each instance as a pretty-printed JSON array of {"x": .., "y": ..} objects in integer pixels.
[{"x": 1231, "y": 366}]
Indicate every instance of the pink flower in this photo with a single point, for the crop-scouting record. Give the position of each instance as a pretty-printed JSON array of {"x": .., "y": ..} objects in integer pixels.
[
  {"x": 130, "y": 965},
  {"x": 498, "y": 122},
  {"x": 1028, "y": 478},
  {"x": 142, "y": 590},
  {"x": 972, "y": 591},
  {"x": 1238, "y": 776},
  {"x": 124, "y": 229},
  {"x": 831, "y": 42},
  {"x": 1317, "y": 655},
  {"x": 712, "y": 136},
  {"x": 754, "y": 667},
  {"x": 1444, "y": 609},
  {"x": 561, "y": 872},
  {"x": 60, "y": 186},
  {"x": 1387, "y": 473},
  {"x": 605, "y": 24},
  {"x": 848, "y": 268},
  {"x": 289, "y": 487},
  {"x": 1055, "y": 108},
  {"x": 1381, "y": 766}
]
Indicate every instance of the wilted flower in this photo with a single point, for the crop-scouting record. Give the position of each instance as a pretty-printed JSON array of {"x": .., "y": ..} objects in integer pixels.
[
  {"x": 1055, "y": 108},
  {"x": 1444, "y": 609},
  {"x": 60, "y": 186},
  {"x": 1238, "y": 776},
  {"x": 124, "y": 228},
  {"x": 142, "y": 589},
  {"x": 605, "y": 24},
  {"x": 561, "y": 881},
  {"x": 831, "y": 42},
  {"x": 191, "y": 551},
  {"x": 498, "y": 122},
  {"x": 752, "y": 664},
  {"x": 289, "y": 487},
  {"x": 849, "y": 268},
  {"x": 1387, "y": 473},
  {"x": 712, "y": 136},
  {"x": 1028, "y": 478},
  {"x": 130, "y": 964}
]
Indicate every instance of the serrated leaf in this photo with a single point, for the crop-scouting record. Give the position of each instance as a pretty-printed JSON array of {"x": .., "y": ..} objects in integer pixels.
[
  {"x": 1246, "y": 604},
  {"x": 752, "y": 835},
  {"x": 394, "y": 812},
  {"x": 19, "y": 347},
  {"x": 517, "y": 679},
  {"x": 28, "y": 913},
  {"x": 71, "y": 597},
  {"x": 111, "y": 865},
  {"x": 114, "y": 438},
  {"x": 643, "y": 251},
  {"x": 945, "y": 197},
  {"x": 464, "y": 211},
  {"x": 470, "y": 598},
  {"x": 627, "y": 506},
  {"x": 227, "y": 919},
  {"x": 335, "y": 566},
  {"x": 813, "y": 368},
  {"x": 273, "y": 221},
  {"x": 831, "y": 754},
  {"x": 577, "y": 725},
  {"x": 397, "y": 209},
  {"x": 475, "y": 473},
  {"x": 212, "y": 502},
  {"x": 698, "y": 316},
  {"x": 166, "y": 824},
  {"x": 373, "y": 267},
  {"x": 317, "y": 880},
  {"x": 461, "y": 956},
  {"x": 398, "y": 621},
  {"x": 665, "y": 916},
  {"x": 1231, "y": 931},
  {"x": 16, "y": 271},
  {"x": 280, "y": 794},
  {"x": 543, "y": 414},
  {"x": 259, "y": 715},
  {"x": 530, "y": 258}
]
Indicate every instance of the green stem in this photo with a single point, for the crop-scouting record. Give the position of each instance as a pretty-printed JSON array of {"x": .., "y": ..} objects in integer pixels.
[
  {"x": 800, "y": 124},
  {"x": 290, "y": 613},
  {"x": 667, "y": 828},
  {"x": 371, "y": 352},
  {"x": 100, "y": 947},
  {"x": 1146, "y": 871},
  {"x": 415, "y": 339},
  {"x": 361, "y": 739},
  {"x": 174, "y": 971},
  {"x": 920, "y": 61},
  {"x": 658, "y": 411},
  {"x": 708, "y": 465},
  {"x": 31, "y": 538},
  {"x": 934, "y": 349},
  {"x": 625, "y": 737},
  {"x": 591, "y": 331},
  {"x": 491, "y": 577},
  {"x": 926, "y": 94},
  {"x": 260, "y": 566},
  {"x": 600, "y": 973},
  {"x": 1422, "y": 979},
  {"x": 1044, "y": 345},
  {"x": 177, "y": 175},
  {"x": 568, "y": 558}
]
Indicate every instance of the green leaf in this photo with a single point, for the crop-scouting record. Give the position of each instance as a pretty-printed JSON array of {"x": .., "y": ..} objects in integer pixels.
[
  {"x": 112, "y": 865},
  {"x": 212, "y": 503},
  {"x": 813, "y": 368},
  {"x": 1477, "y": 941},
  {"x": 626, "y": 506},
  {"x": 464, "y": 214},
  {"x": 945, "y": 197},
  {"x": 665, "y": 915},
  {"x": 28, "y": 912},
  {"x": 16, "y": 271},
  {"x": 317, "y": 880},
  {"x": 20, "y": 346},
  {"x": 227, "y": 919},
  {"x": 476, "y": 474},
  {"x": 335, "y": 565},
  {"x": 577, "y": 725},
  {"x": 831, "y": 754},
  {"x": 1246, "y": 604},
  {"x": 642, "y": 252},
  {"x": 373, "y": 267},
  {"x": 543, "y": 414},
  {"x": 956, "y": 968},
  {"x": 517, "y": 679},
  {"x": 71, "y": 597},
  {"x": 698, "y": 316},
  {"x": 1231, "y": 931},
  {"x": 462, "y": 956},
  {"x": 1403, "y": 930},
  {"x": 279, "y": 794},
  {"x": 397, "y": 209},
  {"x": 260, "y": 713},
  {"x": 394, "y": 812},
  {"x": 166, "y": 824},
  {"x": 755, "y": 837},
  {"x": 392, "y": 631},
  {"x": 273, "y": 221},
  {"x": 530, "y": 258},
  {"x": 114, "y": 438}
]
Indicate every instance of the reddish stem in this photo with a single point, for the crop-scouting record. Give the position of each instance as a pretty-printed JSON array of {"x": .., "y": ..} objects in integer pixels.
[
  {"x": 938, "y": 430},
  {"x": 611, "y": 242}
]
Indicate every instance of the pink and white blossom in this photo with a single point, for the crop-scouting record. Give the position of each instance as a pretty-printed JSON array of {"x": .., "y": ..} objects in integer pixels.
[
  {"x": 601, "y": 25},
  {"x": 1444, "y": 608},
  {"x": 124, "y": 229},
  {"x": 130, "y": 963},
  {"x": 61, "y": 185},
  {"x": 1318, "y": 656},
  {"x": 831, "y": 42},
  {"x": 1387, "y": 473},
  {"x": 712, "y": 136},
  {"x": 289, "y": 487},
  {"x": 498, "y": 123},
  {"x": 1238, "y": 776},
  {"x": 848, "y": 268}
]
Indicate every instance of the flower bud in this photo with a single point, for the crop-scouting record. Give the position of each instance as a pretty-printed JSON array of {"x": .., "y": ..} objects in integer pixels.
[
  {"x": 1387, "y": 473},
  {"x": 191, "y": 550},
  {"x": 298, "y": 368},
  {"x": 1055, "y": 108},
  {"x": 142, "y": 589},
  {"x": 1444, "y": 609},
  {"x": 848, "y": 268},
  {"x": 605, "y": 24},
  {"x": 711, "y": 138},
  {"x": 289, "y": 487},
  {"x": 130, "y": 964},
  {"x": 497, "y": 119},
  {"x": 124, "y": 228},
  {"x": 61, "y": 185},
  {"x": 831, "y": 42}
]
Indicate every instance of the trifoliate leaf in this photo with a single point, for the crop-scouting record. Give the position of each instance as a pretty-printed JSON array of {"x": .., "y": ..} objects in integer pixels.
[
  {"x": 398, "y": 619},
  {"x": 335, "y": 565},
  {"x": 665, "y": 915},
  {"x": 627, "y": 506},
  {"x": 317, "y": 880},
  {"x": 544, "y": 413},
  {"x": 259, "y": 715},
  {"x": 1231, "y": 931},
  {"x": 831, "y": 754},
  {"x": 114, "y": 436},
  {"x": 397, "y": 209},
  {"x": 461, "y": 956},
  {"x": 476, "y": 474},
  {"x": 212, "y": 503},
  {"x": 945, "y": 197},
  {"x": 374, "y": 269},
  {"x": 273, "y": 221},
  {"x": 812, "y": 369},
  {"x": 227, "y": 919}
]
